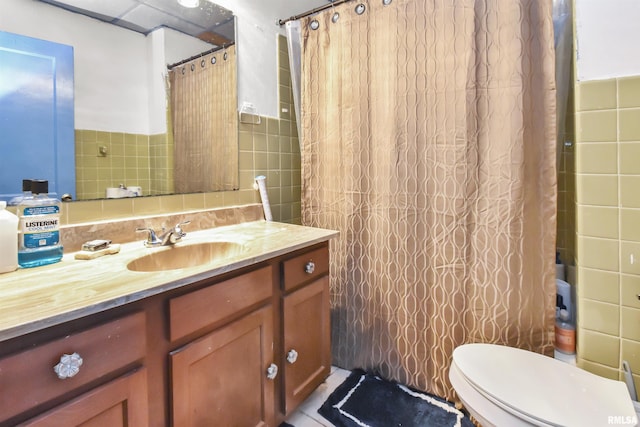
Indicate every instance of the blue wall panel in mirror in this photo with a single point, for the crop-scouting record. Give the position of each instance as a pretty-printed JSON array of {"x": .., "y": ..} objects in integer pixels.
[{"x": 36, "y": 114}]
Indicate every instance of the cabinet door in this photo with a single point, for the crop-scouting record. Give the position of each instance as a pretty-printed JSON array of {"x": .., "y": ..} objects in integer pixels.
[
  {"x": 307, "y": 348},
  {"x": 220, "y": 379},
  {"x": 121, "y": 403}
]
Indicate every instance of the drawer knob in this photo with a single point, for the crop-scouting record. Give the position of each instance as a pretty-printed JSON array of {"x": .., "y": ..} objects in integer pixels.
[
  {"x": 292, "y": 356},
  {"x": 310, "y": 267},
  {"x": 69, "y": 366},
  {"x": 272, "y": 371}
]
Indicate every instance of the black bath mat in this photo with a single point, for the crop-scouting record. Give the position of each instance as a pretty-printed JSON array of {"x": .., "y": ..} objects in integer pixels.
[{"x": 366, "y": 400}]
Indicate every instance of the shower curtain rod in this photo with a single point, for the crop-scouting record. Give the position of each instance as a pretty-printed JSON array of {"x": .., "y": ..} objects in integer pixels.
[
  {"x": 206, "y": 52},
  {"x": 333, "y": 3}
]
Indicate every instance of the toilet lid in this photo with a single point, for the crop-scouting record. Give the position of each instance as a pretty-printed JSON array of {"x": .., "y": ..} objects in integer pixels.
[{"x": 541, "y": 389}]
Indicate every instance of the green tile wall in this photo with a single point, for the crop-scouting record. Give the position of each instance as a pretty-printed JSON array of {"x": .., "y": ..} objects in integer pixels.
[
  {"x": 566, "y": 225},
  {"x": 127, "y": 161},
  {"x": 607, "y": 159},
  {"x": 161, "y": 164}
]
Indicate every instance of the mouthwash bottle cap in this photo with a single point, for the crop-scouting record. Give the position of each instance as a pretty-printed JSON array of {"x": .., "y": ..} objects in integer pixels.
[
  {"x": 26, "y": 184},
  {"x": 39, "y": 186}
]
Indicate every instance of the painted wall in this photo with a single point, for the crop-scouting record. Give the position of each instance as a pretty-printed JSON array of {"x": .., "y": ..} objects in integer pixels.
[
  {"x": 607, "y": 35},
  {"x": 119, "y": 82},
  {"x": 607, "y": 178},
  {"x": 257, "y": 46},
  {"x": 117, "y": 89},
  {"x": 95, "y": 77}
]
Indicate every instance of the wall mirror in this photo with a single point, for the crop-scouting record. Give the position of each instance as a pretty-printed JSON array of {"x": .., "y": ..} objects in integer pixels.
[{"x": 124, "y": 117}]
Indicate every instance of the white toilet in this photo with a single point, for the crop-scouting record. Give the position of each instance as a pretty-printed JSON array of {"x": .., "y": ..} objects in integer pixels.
[{"x": 505, "y": 386}]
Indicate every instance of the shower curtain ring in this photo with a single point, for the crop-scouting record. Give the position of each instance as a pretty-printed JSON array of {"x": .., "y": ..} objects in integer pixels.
[{"x": 336, "y": 16}]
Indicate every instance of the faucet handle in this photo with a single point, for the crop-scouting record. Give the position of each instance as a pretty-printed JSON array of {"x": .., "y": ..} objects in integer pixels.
[
  {"x": 178, "y": 228},
  {"x": 151, "y": 235},
  {"x": 175, "y": 234}
]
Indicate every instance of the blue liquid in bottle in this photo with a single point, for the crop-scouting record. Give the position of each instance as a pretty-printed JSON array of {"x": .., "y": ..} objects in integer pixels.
[{"x": 39, "y": 241}]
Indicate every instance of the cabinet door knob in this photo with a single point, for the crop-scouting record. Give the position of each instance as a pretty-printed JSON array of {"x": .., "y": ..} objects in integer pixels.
[
  {"x": 292, "y": 356},
  {"x": 69, "y": 366},
  {"x": 272, "y": 371},
  {"x": 309, "y": 267}
]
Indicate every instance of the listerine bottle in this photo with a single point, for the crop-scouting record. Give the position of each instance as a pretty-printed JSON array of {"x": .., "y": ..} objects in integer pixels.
[
  {"x": 26, "y": 193},
  {"x": 39, "y": 241}
]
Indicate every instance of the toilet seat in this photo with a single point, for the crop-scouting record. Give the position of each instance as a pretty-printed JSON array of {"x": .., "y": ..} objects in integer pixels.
[{"x": 535, "y": 389}]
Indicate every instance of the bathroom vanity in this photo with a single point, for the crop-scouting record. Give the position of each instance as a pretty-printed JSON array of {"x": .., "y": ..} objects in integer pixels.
[{"x": 241, "y": 339}]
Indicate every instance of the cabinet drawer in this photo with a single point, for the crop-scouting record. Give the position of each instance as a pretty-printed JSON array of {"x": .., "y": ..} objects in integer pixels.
[
  {"x": 27, "y": 379},
  {"x": 199, "y": 309},
  {"x": 305, "y": 267}
]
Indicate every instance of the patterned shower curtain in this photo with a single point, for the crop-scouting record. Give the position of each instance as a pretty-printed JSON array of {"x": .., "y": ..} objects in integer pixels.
[
  {"x": 203, "y": 114},
  {"x": 428, "y": 132}
]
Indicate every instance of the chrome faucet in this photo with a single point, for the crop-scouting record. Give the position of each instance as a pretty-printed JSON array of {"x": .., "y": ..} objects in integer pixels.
[{"x": 167, "y": 238}]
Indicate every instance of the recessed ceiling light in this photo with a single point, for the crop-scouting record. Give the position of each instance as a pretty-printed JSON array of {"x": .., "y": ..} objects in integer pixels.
[{"x": 189, "y": 3}]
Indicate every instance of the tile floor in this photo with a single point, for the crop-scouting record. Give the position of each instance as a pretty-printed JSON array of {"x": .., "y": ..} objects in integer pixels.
[{"x": 307, "y": 414}]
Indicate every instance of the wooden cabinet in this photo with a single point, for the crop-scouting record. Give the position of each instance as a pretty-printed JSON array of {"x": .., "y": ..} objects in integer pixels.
[
  {"x": 216, "y": 304},
  {"x": 221, "y": 378},
  {"x": 241, "y": 349},
  {"x": 230, "y": 375},
  {"x": 306, "y": 352},
  {"x": 304, "y": 268},
  {"x": 28, "y": 379},
  {"x": 119, "y": 403}
]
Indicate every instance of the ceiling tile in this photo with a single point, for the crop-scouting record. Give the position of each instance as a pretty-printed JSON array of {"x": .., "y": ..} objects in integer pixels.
[
  {"x": 146, "y": 15},
  {"x": 112, "y": 8}
]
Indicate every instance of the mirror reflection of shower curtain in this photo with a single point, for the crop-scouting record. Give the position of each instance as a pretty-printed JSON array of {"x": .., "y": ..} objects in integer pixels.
[
  {"x": 293, "y": 42},
  {"x": 563, "y": 36},
  {"x": 205, "y": 126}
]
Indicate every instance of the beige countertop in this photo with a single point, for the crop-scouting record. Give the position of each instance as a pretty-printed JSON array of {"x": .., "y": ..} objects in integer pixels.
[{"x": 32, "y": 299}]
